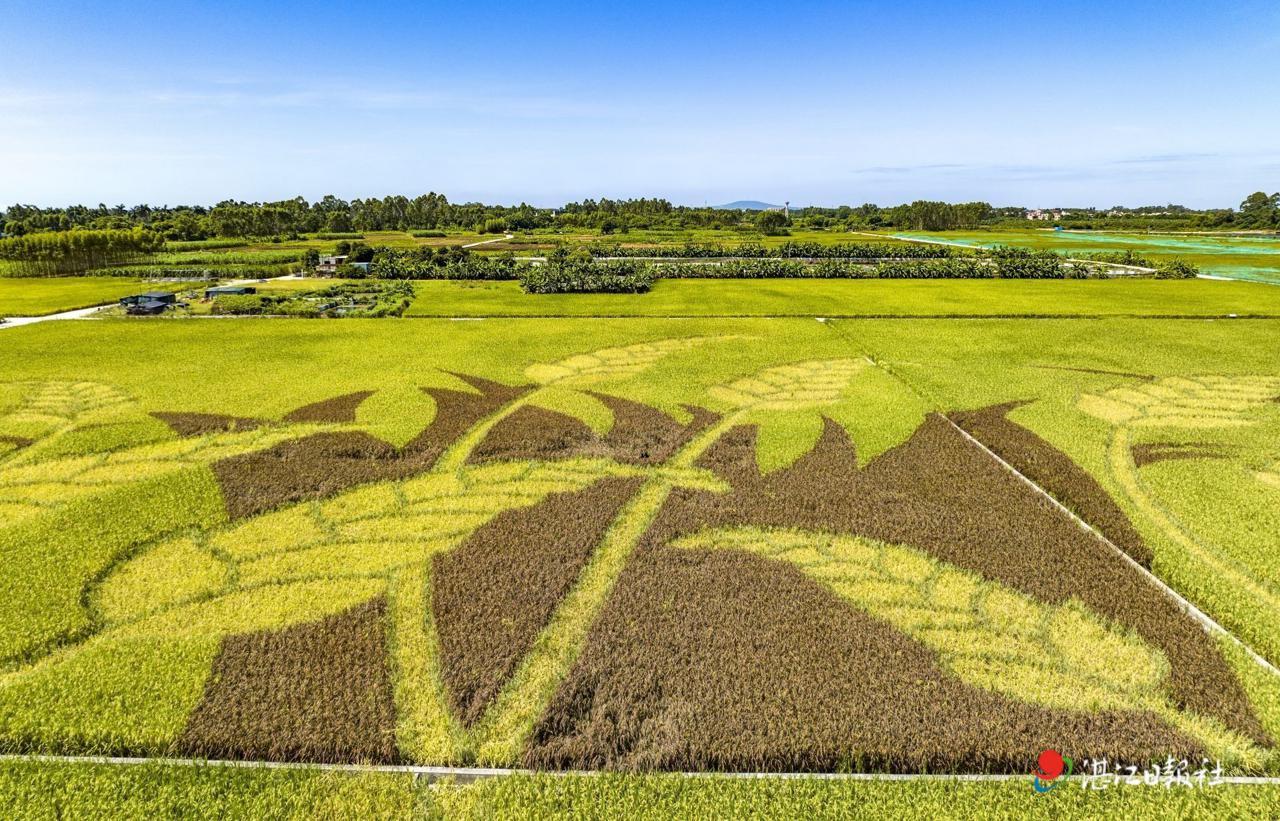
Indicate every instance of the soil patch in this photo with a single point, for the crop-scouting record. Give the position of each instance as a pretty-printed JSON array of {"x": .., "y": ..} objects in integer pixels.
[
  {"x": 324, "y": 464},
  {"x": 940, "y": 493},
  {"x": 641, "y": 434},
  {"x": 338, "y": 410}
]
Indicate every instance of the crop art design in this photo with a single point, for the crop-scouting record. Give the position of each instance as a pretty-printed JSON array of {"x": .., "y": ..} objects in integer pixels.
[
  {"x": 549, "y": 574},
  {"x": 1170, "y": 420}
]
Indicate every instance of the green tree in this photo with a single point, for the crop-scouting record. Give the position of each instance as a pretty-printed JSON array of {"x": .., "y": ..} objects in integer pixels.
[
  {"x": 1259, "y": 210},
  {"x": 772, "y": 222}
]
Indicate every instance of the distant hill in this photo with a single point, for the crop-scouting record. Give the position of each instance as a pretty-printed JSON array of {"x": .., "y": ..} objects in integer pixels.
[{"x": 746, "y": 205}]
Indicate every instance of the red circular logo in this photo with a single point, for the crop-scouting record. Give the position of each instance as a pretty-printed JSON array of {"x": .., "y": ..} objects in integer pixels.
[{"x": 1049, "y": 765}]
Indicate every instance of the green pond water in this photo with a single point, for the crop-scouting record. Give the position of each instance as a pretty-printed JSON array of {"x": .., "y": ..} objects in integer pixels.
[{"x": 1253, "y": 258}]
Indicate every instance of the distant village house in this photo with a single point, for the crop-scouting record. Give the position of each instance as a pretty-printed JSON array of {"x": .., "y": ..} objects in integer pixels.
[{"x": 330, "y": 265}]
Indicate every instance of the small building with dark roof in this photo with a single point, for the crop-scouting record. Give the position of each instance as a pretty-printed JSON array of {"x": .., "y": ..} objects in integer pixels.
[
  {"x": 163, "y": 297},
  {"x": 229, "y": 290},
  {"x": 150, "y": 307}
]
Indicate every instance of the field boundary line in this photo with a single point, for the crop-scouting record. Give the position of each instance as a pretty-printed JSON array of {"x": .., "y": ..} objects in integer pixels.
[
  {"x": 1207, "y": 622},
  {"x": 1166, "y": 317},
  {"x": 467, "y": 775}
]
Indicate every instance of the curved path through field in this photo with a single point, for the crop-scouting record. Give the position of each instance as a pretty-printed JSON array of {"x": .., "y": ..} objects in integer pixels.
[
  {"x": 88, "y": 313},
  {"x": 502, "y": 238},
  {"x": 79, "y": 313}
]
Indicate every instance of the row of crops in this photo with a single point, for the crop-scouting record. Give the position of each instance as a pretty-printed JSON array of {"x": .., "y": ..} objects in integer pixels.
[
  {"x": 580, "y": 272},
  {"x": 787, "y": 250},
  {"x": 599, "y": 268}
]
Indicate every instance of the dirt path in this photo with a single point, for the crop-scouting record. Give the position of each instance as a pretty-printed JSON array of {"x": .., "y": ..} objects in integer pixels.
[
  {"x": 88, "y": 313},
  {"x": 79, "y": 313},
  {"x": 502, "y": 238}
]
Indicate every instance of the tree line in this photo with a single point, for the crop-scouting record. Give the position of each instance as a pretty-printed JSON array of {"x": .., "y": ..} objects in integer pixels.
[
  {"x": 331, "y": 215},
  {"x": 62, "y": 252}
]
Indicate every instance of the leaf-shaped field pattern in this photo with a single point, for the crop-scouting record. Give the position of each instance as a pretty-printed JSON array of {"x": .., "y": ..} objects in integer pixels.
[
  {"x": 1184, "y": 402},
  {"x": 1227, "y": 588},
  {"x": 367, "y": 532},
  {"x": 27, "y": 489},
  {"x": 48, "y": 410},
  {"x": 289, "y": 567},
  {"x": 985, "y": 633},
  {"x": 608, "y": 363},
  {"x": 49, "y": 406},
  {"x": 791, "y": 387}
]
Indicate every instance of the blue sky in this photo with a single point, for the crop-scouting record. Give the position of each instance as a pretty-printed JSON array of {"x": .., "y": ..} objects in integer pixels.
[{"x": 1012, "y": 102}]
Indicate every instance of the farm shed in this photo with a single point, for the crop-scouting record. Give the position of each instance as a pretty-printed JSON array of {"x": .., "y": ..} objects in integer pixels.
[
  {"x": 149, "y": 307},
  {"x": 163, "y": 297},
  {"x": 229, "y": 290}
]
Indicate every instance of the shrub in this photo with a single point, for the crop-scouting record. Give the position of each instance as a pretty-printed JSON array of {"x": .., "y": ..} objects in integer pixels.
[
  {"x": 1177, "y": 269},
  {"x": 772, "y": 223},
  {"x": 241, "y": 304},
  {"x": 1019, "y": 263},
  {"x": 194, "y": 272},
  {"x": 425, "y": 234},
  {"x": 1126, "y": 257},
  {"x": 581, "y": 277}
]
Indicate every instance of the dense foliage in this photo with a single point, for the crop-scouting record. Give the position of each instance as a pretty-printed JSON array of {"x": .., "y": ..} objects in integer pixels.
[
  {"x": 432, "y": 212},
  {"x": 1000, "y": 264},
  {"x": 564, "y": 274},
  {"x": 609, "y": 269},
  {"x": 453, "y": 262},
  {"x": 68, "y": 252},
  {"x": 788, "y": 250},
  {"x": 369, "y": 300}
]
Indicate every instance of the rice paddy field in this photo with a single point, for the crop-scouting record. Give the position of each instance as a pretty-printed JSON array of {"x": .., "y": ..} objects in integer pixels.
[
  {"x": 40, "y": 297},
  {"x": 866, "y": 298},
  {"x": 645, "y": 545},
  {"x": 1234, "y": 256}
]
